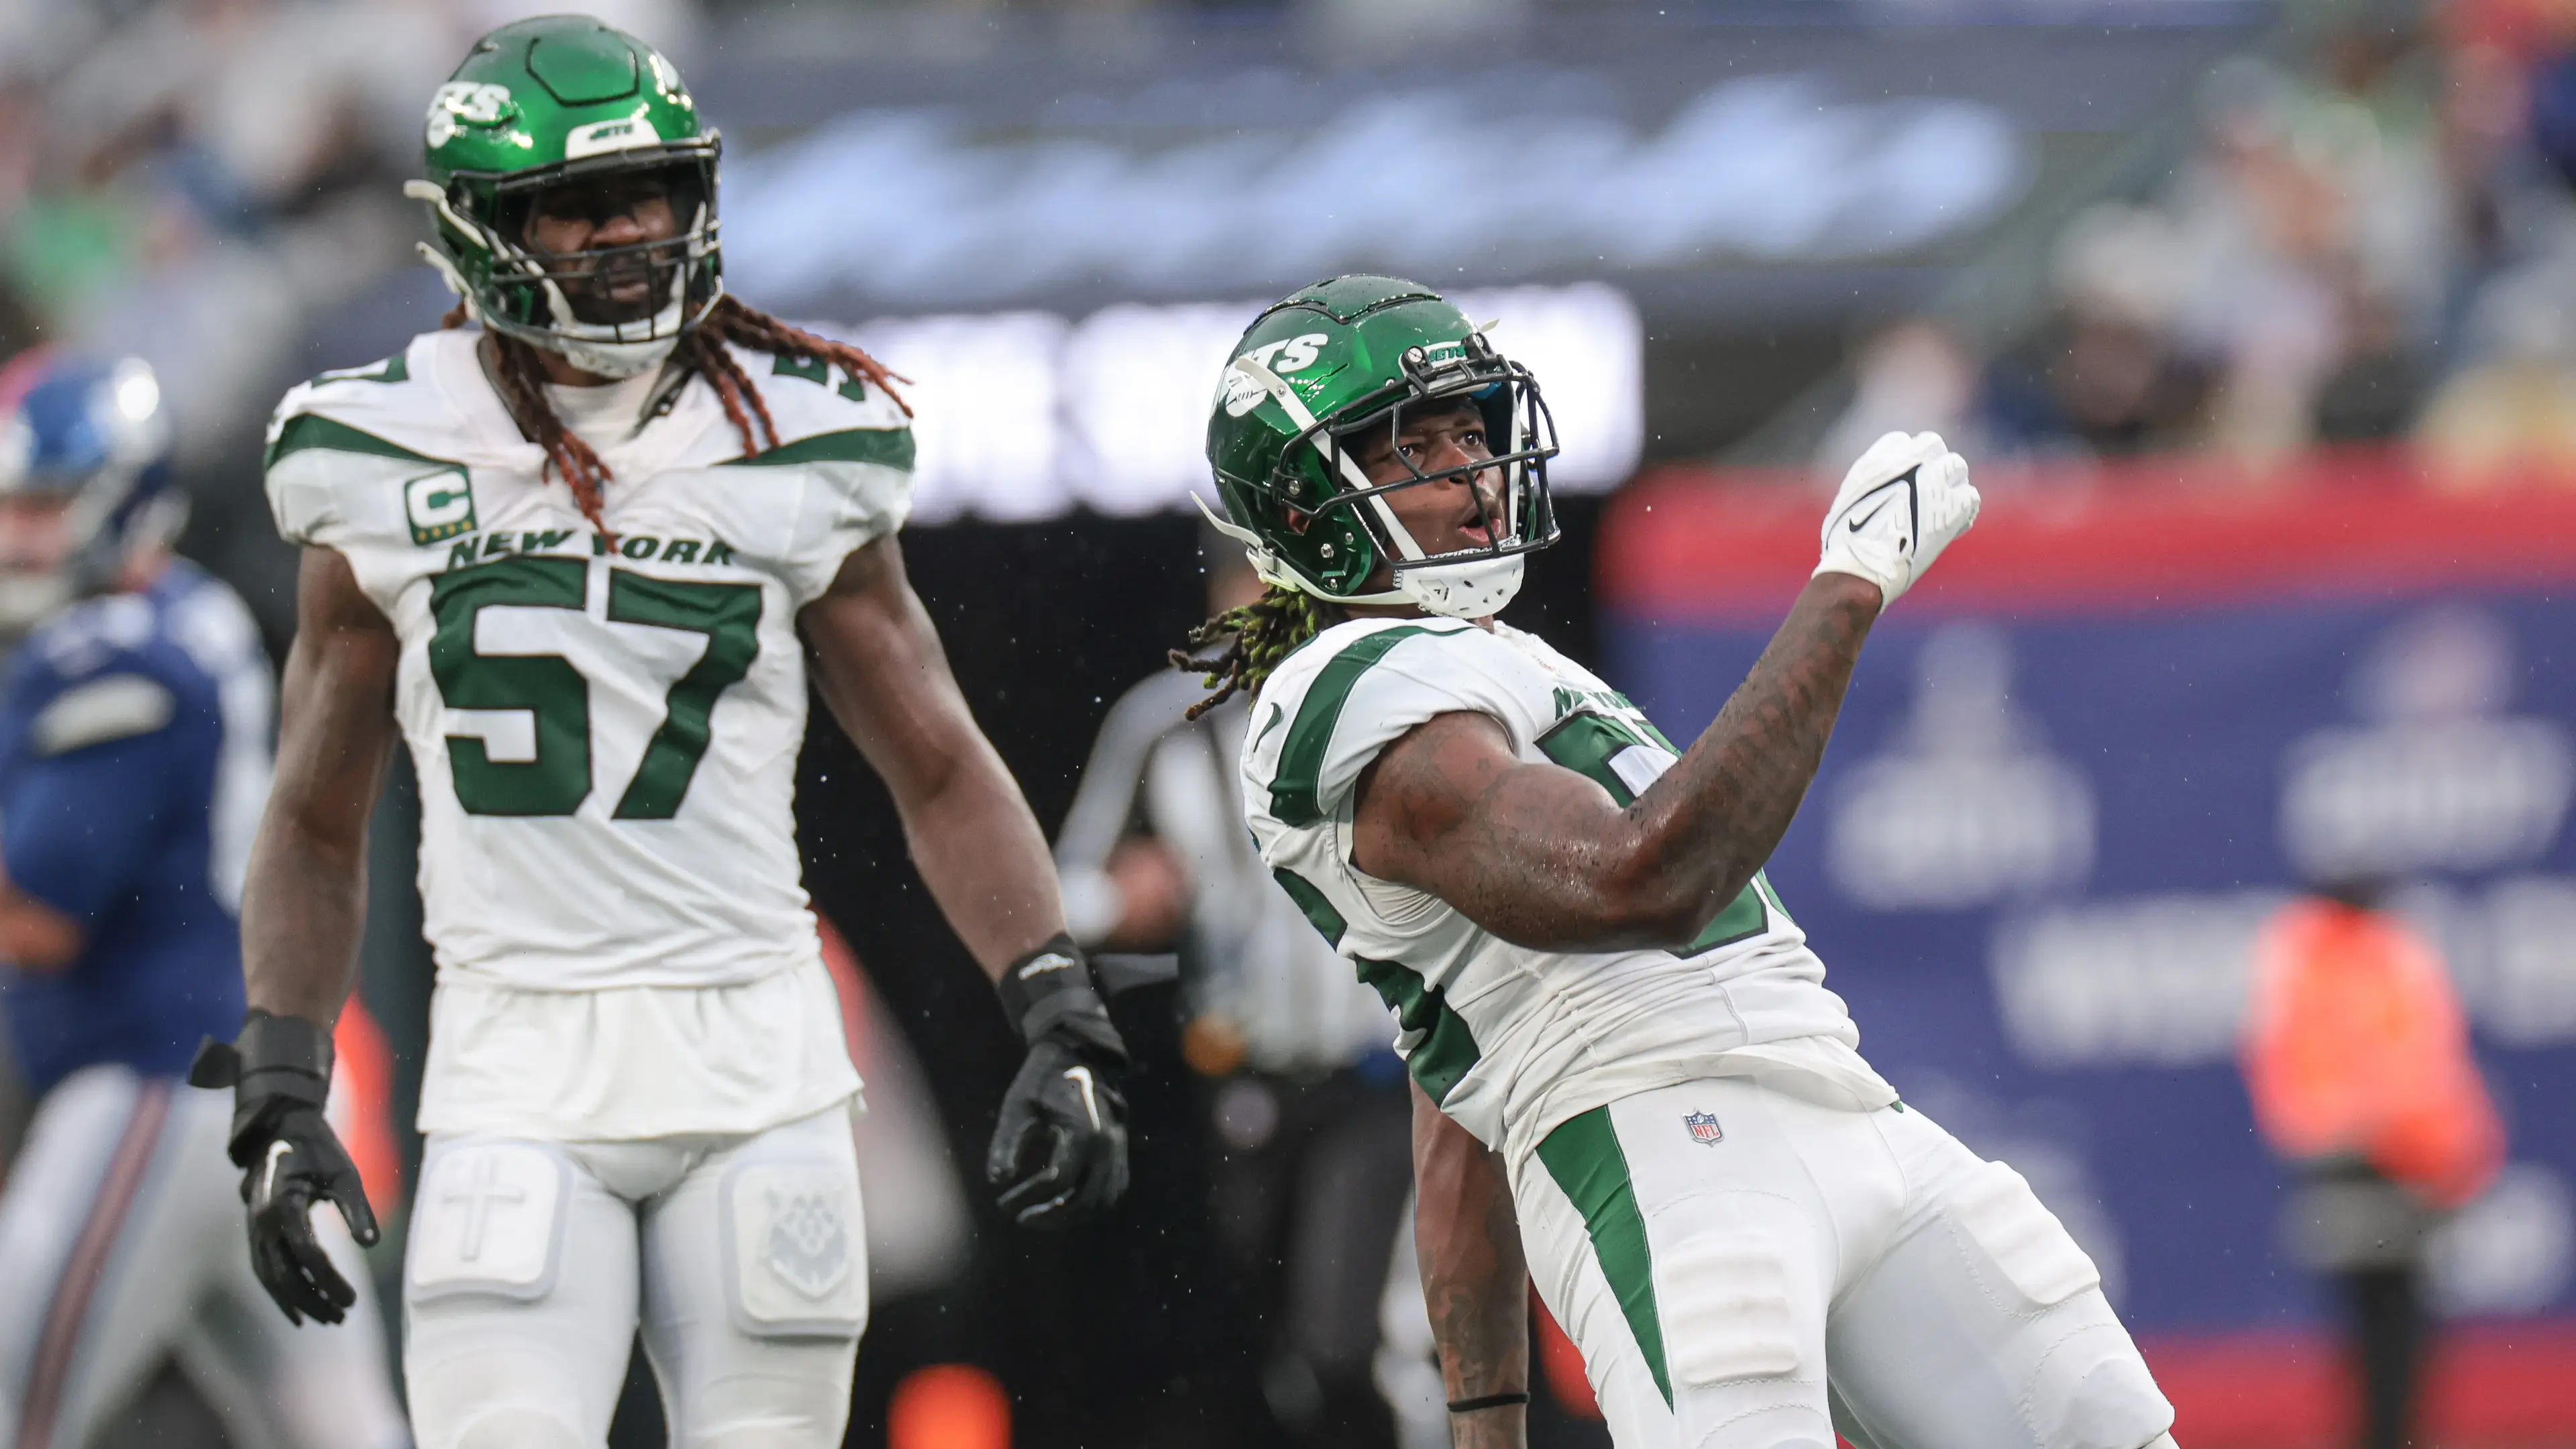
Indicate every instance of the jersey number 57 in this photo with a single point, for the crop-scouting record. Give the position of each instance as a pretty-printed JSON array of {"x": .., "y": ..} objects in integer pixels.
[{"x": 557, "y": 779}]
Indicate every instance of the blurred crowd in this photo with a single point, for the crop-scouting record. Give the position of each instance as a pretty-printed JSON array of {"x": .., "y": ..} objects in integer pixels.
[
  {"x": 2372, "y": 237},
  {"x": 193, "y": 181}
]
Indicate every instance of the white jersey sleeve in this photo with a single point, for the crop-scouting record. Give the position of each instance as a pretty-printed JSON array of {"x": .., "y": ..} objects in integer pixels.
[
  {"x": 1369, "y": 693},
  {"x": 852, "y": 448},
  {"x": 362, "y": 461}
]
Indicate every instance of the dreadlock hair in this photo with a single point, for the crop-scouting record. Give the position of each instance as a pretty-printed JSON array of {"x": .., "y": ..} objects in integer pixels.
[
  {"x": 1264, "y": 632},
  {"x": 701, "y": 350}
]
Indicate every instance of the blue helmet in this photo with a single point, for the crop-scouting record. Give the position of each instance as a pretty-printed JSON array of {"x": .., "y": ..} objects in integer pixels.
[{"x": 94, "y": 435}]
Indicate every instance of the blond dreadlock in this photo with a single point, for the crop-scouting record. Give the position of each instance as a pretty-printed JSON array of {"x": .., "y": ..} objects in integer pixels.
[
  {"x": 522, "y": 385},
  {"x": 1264, "y": 631}
]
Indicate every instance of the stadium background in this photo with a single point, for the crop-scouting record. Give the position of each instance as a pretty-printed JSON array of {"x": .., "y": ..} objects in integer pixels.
[{"x": 2259, "y": 322}]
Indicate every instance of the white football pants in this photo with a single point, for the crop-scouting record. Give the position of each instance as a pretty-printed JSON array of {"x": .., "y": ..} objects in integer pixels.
[
  {"x": 531, "y": 1265},
  {"x": 122, "y": 1241},
  {"x": 1745, "y": 1269}
]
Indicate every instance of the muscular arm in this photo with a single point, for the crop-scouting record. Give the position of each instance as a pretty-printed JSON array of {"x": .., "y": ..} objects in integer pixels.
[
  {"x": 1543, "y": 857},
  {"x": 304, "y": 901},
  {"x": 1473, "y": 1278},
  {"x": 883, "y": 675}
]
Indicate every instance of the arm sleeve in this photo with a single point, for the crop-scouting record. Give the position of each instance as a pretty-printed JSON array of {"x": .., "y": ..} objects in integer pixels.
[
  {"x": 76, "y": 827},
  {"x": 849, "y": 503}
]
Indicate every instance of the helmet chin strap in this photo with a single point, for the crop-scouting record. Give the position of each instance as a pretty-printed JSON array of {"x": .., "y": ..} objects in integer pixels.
[
  {"x": 615, "y": 360},
  {"x": 1471, "y": 589}
]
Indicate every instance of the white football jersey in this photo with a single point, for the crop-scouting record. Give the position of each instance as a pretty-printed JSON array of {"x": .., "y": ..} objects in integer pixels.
[
  {"x": 1512, "y": 1042},
  {"x": 605, "y": 728}
]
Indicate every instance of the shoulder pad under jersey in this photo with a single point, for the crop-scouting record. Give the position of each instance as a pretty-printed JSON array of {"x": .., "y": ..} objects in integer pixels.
[
  {"x": 344, "y": 447},
  {"x": 826, "y": 415}
]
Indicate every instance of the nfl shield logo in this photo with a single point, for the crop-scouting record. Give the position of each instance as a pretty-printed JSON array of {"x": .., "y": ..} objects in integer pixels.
[{"x": 1703, "y": 1127}]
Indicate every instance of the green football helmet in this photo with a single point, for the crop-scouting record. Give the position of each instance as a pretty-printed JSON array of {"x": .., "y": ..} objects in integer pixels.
[
  {"x": 1359, "y": 354},
  {"x": 544, "y": 102}
]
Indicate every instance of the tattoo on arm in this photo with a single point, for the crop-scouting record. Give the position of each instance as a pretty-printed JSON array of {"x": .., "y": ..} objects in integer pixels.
[
  {"x": 1474, "y": 1282},
  {"x": 1542, "y": 857},
  {"x": 1726, "y": 805}
]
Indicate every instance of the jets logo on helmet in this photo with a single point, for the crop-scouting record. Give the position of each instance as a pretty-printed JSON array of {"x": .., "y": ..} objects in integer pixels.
[
  {"x": 1240, "y": 391},
  {"x": 1359, "y": 354},
  {"x": 466, "y": 103}
]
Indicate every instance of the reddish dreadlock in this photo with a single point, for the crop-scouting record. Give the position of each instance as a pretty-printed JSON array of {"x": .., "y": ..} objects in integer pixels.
[{"x": 701, "y": 350}]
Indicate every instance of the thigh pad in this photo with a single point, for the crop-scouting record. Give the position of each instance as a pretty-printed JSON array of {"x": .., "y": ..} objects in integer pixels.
[
  {"x": 1726, "y": 1310},
  {"x": 795, "y": 1246},
  {"x": 489, "y": 1219},
  {"x": 2019, "y": 1249}
]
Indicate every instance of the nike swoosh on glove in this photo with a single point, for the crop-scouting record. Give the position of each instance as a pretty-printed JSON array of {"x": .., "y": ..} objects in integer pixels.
[
  {"x": 1060, "y": 1149},
  {"x": 303, "y": 1165},
  {"x": 1899, "y": 506}
]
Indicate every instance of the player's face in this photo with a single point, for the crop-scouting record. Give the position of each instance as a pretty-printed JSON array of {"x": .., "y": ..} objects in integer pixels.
[
  {"x": 1443, "y": 515},
  {"x": 35, "y": 532},
  {"x": 602, "y": 212}
]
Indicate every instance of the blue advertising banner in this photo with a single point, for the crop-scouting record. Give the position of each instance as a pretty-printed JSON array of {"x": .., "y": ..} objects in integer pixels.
[
  {"x": 2036, "y": 856},
  {"x": 2061, "y": 801}
]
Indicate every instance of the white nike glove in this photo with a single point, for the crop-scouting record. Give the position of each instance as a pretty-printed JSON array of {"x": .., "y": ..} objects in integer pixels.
[{"x": 1899, "y": 506}]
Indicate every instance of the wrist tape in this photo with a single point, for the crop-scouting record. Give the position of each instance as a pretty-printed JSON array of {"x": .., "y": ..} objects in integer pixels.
[
  {"x": 279, "y": 1064},
  {"x": 1051, "y": 991}
]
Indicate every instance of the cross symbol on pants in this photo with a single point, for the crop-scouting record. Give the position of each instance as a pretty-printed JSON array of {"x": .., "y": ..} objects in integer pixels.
[{"x": 478, "y": 1197}]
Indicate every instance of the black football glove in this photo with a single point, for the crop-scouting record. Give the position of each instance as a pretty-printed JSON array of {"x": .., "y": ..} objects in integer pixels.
[
  {"x": 280, "y": 1073},
  {"x": 1060, "y": 1150}
]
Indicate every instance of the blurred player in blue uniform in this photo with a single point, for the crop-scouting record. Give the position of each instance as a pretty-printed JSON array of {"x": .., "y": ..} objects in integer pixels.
[{"x": 135, "y": 723}]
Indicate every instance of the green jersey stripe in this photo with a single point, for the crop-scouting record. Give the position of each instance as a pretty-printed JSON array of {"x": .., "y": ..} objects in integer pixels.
[
  {"x": 310, "y": 430},
  {"x": 1585, "y": 1158},
  {"x": 1294, "y": 785},
  {"x": 396, "y": 368},
  {"x": 1444, "y": 1049},
  {"x": 888, "y": 447},
  {"x": 1319, "y": 911}
]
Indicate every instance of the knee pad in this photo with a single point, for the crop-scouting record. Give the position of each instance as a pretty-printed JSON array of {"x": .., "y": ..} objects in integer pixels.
[
  {"x": 799, "y": 1404},
  {"x": 2099, "y": 1394},
  {"x": 489, "y": 1219},
  {"x": 516, "y": 1428},
  {"x": 1775, "y": 1427},
  {"x": 795, "y": 1248}
]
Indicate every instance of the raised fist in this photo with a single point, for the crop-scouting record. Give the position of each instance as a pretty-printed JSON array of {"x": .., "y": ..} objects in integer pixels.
[{"x": 1899, "y": 506}]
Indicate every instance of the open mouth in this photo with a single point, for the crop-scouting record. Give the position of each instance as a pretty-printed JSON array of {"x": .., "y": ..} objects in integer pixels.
[{"x": 1480, "y": 525}]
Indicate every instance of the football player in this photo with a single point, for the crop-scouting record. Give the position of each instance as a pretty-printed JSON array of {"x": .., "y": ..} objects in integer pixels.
[
  {"x": 576, "y": 557},
  {"x": 1630, "y": 1081},
  {"x": 134, "y": 753}
]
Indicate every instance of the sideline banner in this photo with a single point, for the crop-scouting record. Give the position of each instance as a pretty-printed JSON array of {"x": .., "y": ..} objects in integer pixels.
[{"x": 2116, "y": 727}]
